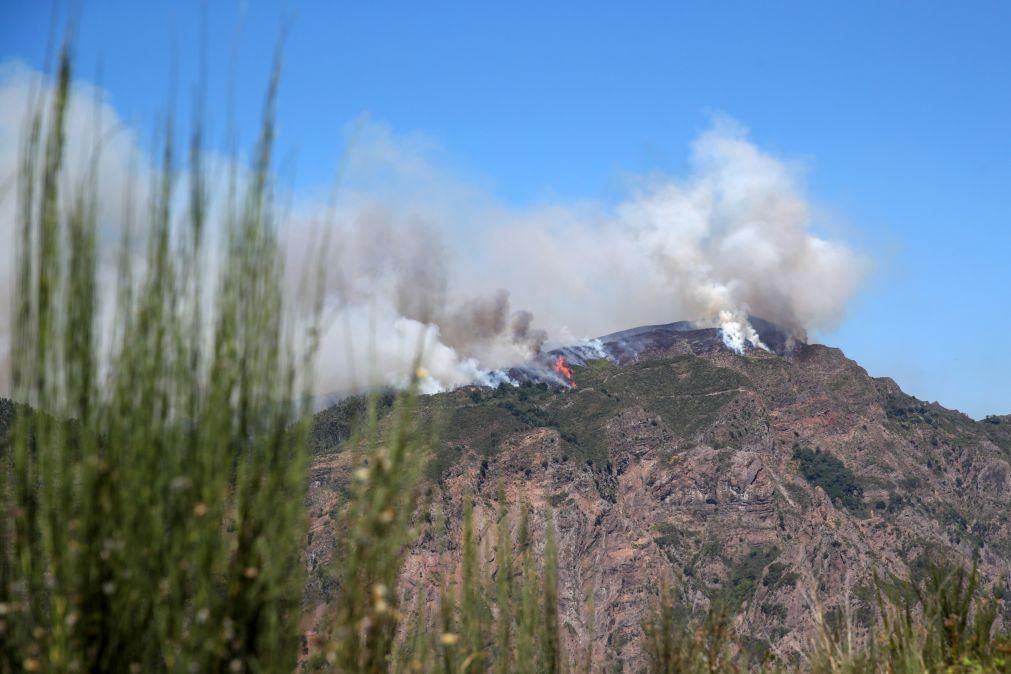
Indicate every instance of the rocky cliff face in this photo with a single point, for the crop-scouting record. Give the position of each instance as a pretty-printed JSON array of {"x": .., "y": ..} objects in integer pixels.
[{"x": 769, "y": 481}]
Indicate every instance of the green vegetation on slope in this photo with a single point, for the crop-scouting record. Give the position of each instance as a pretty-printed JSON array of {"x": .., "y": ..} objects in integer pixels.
[
  {"x": 686, "y": 392},
  {"x": 824, "y": 470},
  {"x": 744, "y": 576},
  {"x": 347, "y": 419},
  {"x": 6, "y": 419}
]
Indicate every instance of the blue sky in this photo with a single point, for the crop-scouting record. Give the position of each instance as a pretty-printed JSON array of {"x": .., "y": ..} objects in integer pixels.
[{"x": 900, "y": 115}]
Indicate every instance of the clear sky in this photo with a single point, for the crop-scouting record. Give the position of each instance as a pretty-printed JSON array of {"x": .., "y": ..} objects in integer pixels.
[{"x": 900, "y": 113}]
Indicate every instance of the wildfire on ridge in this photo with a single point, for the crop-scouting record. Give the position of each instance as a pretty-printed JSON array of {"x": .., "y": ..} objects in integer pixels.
[{"x": 565, "y": 371}]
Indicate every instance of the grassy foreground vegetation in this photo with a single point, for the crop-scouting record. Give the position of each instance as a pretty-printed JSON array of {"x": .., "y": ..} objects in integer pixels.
[{"x": 151, "y": 497}]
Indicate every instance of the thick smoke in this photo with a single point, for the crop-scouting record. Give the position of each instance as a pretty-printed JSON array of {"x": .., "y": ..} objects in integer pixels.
[
  {"x": 733, "y": 238},
  {"x": 389, "y": 300},
  {"x": 422, "y": 259}
]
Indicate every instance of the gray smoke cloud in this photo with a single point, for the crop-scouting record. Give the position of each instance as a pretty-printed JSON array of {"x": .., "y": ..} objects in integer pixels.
[
  {"x": 423, "y": 256},
  {"x": 391, "y": 294}
]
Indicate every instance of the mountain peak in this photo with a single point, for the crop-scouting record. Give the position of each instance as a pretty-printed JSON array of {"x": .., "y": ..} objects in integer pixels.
[{"x": 648, "y": 341}]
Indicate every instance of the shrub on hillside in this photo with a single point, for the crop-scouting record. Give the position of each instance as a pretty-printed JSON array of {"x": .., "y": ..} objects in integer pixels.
[{"x": 822, "y": 469}]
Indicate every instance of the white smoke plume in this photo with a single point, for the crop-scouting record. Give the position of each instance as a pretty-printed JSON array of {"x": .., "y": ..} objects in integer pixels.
[
  {"x": 733, "y": 238},
  {"x": 90, "y": 117},
  {"x": 422, "y": 256}
]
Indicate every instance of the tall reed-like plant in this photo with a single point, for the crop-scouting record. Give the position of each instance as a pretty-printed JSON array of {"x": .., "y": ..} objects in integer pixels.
[
  {"x": 944, "y": 624},
  {"x": 151, "y": 495},
  {"x": 361, "y": 628}
]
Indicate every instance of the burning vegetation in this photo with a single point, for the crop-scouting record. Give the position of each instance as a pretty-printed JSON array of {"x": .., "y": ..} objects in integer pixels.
[{"x": 564, "y": 371}]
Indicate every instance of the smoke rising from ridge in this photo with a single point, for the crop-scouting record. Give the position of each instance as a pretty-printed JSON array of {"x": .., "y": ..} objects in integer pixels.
[
  {"x": 422, "y": 256},
  {"x": 731, "y": 239}
]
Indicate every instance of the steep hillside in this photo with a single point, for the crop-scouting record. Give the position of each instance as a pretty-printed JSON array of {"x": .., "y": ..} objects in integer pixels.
[{"x": 765, "y": 481}]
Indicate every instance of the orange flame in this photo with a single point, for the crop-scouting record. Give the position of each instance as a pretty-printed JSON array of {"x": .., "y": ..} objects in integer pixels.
[{"x": 564, "y": 370}]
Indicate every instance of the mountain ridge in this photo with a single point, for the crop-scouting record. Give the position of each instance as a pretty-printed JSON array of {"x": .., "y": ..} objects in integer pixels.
[{"x": 753, "y": 480}]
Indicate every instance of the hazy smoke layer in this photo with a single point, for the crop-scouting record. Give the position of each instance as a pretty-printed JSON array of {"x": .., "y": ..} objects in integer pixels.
[{"x": 420, "y": 255}]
